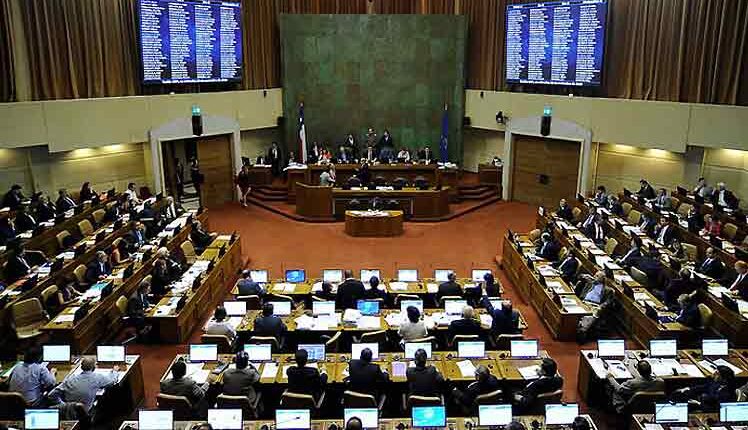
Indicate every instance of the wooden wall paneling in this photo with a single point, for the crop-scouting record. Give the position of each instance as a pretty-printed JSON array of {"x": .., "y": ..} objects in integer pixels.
[
  {"x": 557, "y": 159},
  {"x": 214, "y": 156}
]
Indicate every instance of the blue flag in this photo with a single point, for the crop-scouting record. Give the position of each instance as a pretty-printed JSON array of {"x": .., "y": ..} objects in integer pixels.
[{"x": 444, "y": 141}]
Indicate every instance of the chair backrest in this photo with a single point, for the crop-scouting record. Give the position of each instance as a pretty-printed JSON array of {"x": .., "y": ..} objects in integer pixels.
[
  {"x": 643, "y": 402},
  {"x": 272, "y": 297},
  {"x": 188, "y": 250},
  {"x": 354, "y": 399},
  {"x": 121, "y": 304},
  {"x": 354, "y": 181},
  {"x": 730, "y": 230},
  {"x": 626, "y": 207},
  {"x": 706, "y": 316},
  {"x": 292, "y": 400},
  {"x": 463, "y": 338},
  {"x": 333, "y": 345},
  {"x": 576, "y": 213},
  {"x": 224, "y": 401},
  {"x": 634, "y": 216},
  {"x": 253, "y": 301},
  {"x": 85, "y": 227},
  {"x": 675, "y": 203},
  {"x": 445, "y": 298},
  {"x": 224, "y": 344},
  {"x": 740, "y": 395},
  {"x": 399, "y": 182},
  {"x": 380, "y": 180},
  {"x": 98, "y": 215},
  {"x": 47, "y": 293},
  {"x": 414, "y": 400},
  {"x": 179, "y": 404},
  {"x": 551, "y": 397},
  {"x": 639, "y": 276},
  {"x": 494, "y": 397},
  {"x": 692, "y": 252},
  {"x": 80, "y": 273},
  {"x": 61, "y": 236},
  {"x": 610, "y": 246},
  {"x": 12, "y": 406},
  {"x": 503, "y": 341},
  {"x": 683, "y": 209},
  {"x": 562, "y": 253},
  {"x": 401, "y": 297},
  {"x": 28, "y": 312},
  {"x": 379, "y": 337},
  {"x": 256, "y": 340},
  {"x": 534, "y": 235}
]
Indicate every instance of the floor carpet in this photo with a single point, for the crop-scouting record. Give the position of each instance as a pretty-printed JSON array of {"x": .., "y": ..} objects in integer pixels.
[{"x": 275, "y": 243}]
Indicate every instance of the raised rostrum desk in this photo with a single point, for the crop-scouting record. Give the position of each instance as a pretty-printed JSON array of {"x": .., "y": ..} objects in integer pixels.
[{"x": 367, "y": 224}]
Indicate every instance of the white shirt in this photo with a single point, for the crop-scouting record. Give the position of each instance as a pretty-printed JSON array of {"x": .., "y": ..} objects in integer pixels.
[
  {"x": 737, "y": 281},
  {"x": 721, "y": 199},
  {"x": 131, "y": 194},
  {"x": 661, "y": 236}
]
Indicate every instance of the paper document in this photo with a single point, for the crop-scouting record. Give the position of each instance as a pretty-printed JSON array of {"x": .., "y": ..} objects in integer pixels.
[
  {"x": 466, "y": 368},
  {"x": 432, "y": 288},
  {"x": 529, "y": 372},
  {"x": 653, "y": 426},
  {"x": 693, "y": 370},
  {"x": 65, "y": 318},
  {"x": 723, "y": 362},
  {"x": 304, "y": 322},
  {"x": 398, "y": 286},
  {"x": 269, "y": 370},
  {"x": 369, "y": 322},
  {"x": 486, "y": 320},
  {"x": 394, "y": 319}
]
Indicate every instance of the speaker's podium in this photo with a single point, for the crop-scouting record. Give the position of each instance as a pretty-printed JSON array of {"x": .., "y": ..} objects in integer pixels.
[{"x": 314, "y": 201}]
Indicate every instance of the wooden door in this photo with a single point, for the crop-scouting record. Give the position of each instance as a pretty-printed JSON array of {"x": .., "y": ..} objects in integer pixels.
[
  {"x": 170, "y": 167},
  {"x": 214, "y": 159},
  {"x": 544, "y": 170}
]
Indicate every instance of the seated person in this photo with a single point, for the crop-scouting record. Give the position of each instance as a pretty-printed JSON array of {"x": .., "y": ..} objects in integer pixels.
[
  {"x": 200, "y": 237},
  {"x": 564, "y": 211},
  {"x": 547, "y": 248},
  {"x": 87, "y": 193},
  {"x": 719, "y": 388},
  {"x": 614, "y": 205},
  {"x": 689, "y": 314},
  {"x": 548, "y": 381},
  {"x": 662, "y": 200},
  {"x": 597, "y": 232},
  {"x": 739, "y": 284},
  {"x": 677, "y": 286},
  {"x": 248, "y": 287},
  {"x": 365, "y": 376},
  {"x": 580, "y": 423},
  {"x": 350, "y": 291},
  {"x": 450, "y": 287},
  {"x": 467, "y": 325},
  {"x": 489, "y": 285},
  {"x": 171, "y": 210},
  {"x": 588, "y": 220},
  {"x": 82, "y": 388},
  {"x": 568, "y": 267},
  {"x": 8, "y": 231},
  {"x": 131, "y": 194},
  {"x": 711, "y": 266},
  {"x": 723, "y": 197},
  {"x": 160, "y": 278},
  {"x": 373, "y": 292},
  {"x": 303, "y": 379},
  {"x": 327, "y": 178},
  {"x": 118, "y": 253},
  {"x": 677, "y": 252},
  {"x": 645, "y": 190},
  {"x": 484, "y": 383},
  {"x": 505, "y": 319},
  {"x": 414, "y": 328},
  {"x": 403, "y": 156},
  {"x": 98, "y": 269},
  {"x": 66, "y": 293},
  {"x": 516, "y": 425},
  {"x": 24, "y": 221},
  {"x": 712, "y": 225},
  {"x": 647, "y": 224},
  {"x": 326, "y": 292},
  {"x": 632, "y": 256},
  {"x": 593, "y": 288},
  {"x": 136, "y": 237},
  {"x": 64, "y": 201},
  {"x": 426, "y": 155},
  {"x": 695, "y": 220},
  {"x": 13, "y": 197},
  {"x": 344, "y": 155},
  {"x": 31, "y": 378},
  {"x": 181, "y": 385},
  {"x": 424, "y": 379},
  {"x": 18, "y": 265},
  {"x": 220, "y": 325},
  {"x": 601, "y": 196},
  {"x": 269, "y": 324},
  {"x": 138, "y": 304},
  {"x": 645, "y": 381},
  {"x": 664, "y": 232},
  {"x": 241, "y": 380}
]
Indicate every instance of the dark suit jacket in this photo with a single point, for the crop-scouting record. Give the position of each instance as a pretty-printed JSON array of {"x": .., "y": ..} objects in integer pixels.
[
  {"x": 668, "y": 235},
  {"x": 184, "y": 387},
  {"x": 449, "y": 289},
  {"x": 426, "y": 381},
  {"x": 568, "y": 268},
  {"x": 11, "y": 200},
  {"x": 540, "y": 386},
  {"x": 86, "y": 195},
  {"x": 649, "y": 227},
  {"x": 16, "y": 268},
  {"x": 248, "y": 287},
  {"x": 477, "y": 388},
  {"x": 305, "y": 380},
  {"x": 690, "y": 316},
  {"x": 742, "y": 286},
  {"x": 422, "y": 156},
  {"x": 565, "y": 213},
  {"x": 64, "y": 204},
  {"x": 631, "y": 257},
  {"x": 548, "y": 251},
  {"x": 269, "y": 326},
  {"x": 365, "y": 377},
  {"x": 464, "y": 326},
  {"x": 695, "y": 223},
  {"x": 349, "y": 292},
  {"x": 160, "y": 279},
  {"x": 591, "y": 231},
  {"x": 25, "y": 222},
  {"x": 616, "y": 209},
  {"x": 45, "y": 212},
  {"x": 647, "y": 192},
  {"x": 730, "y": 199},
  {"x": 713, "y": 269},
  {"x": 200, "y": 238},
  {"x": 7, "y": 233},
  {"x": 675, "y": 288},
  {"x": 94, "y": 271},
  {"x": 137, "y": 305},
  {"x": 132, "y": 238}
]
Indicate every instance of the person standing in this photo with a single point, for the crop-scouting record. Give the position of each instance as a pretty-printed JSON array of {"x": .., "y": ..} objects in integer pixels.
[
  {"x": 275, "y": 159},
  {"x": 243, "y": 182},
  {"x": 197, "y": 178}
]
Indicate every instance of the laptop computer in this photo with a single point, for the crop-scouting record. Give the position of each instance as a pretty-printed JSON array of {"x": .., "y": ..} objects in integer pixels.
[
  {"x": 259, "y": 276},
  {"x": 369, "y": 416},
  {"x": 110, "y": 353},
  {"x": 225, "y": 419},
  {"x": 454, "y": 307},
  {"x": 295, "y": 276},
  {"x": 733, "y": 412},
  {"x": 333, "y": 276},
  {"x": 281, "y": 308},
  {"x": 715, "y": 348},
  {"x": 428, "y": 416},
  {"x": 315, "y": 351},
  {"x": 326, "y": 307},
  {"x": 478, "y": 274},
  {"x": 261, "y": 352},
  {"x": 523, "y": 348},
  {"x": 404, "y": 304},
  {"x": 356, "y": 349},
  {"x": 671, "y": 413},
  {"x": 203, "y": 352},
  {"x": 559, "y": 414},
  {"x": 235, "y": 308},
  {"x": 407, "y": 275},
  {"x": 442, "y": 275},
  {"x": 494, "y": 415},
  {"x": 471, "y": 349},
  {"x": 56, "y": 353},
  {"x": 368, "y": 307},
  {"x": 155, "y": 420},
  {"x": 293, "y": 419},
  {"x": 412, "y": 347},
  {"x": 367, "y": 274},
  {"x": 41, "y": 419},
  {"x": 611, "y": 348},
  {"x": 663, "y": 348}
]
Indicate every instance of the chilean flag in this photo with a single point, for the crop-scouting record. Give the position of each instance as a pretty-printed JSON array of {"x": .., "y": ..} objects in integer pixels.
[
  {"x": 443, "y": 142},
  {"x": 302, "y": 134}
]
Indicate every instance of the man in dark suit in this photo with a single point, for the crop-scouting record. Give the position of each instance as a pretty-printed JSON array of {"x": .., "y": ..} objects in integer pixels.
[
  {"x": 136, "y": 237},
  {"x": 344, "y": 155},
  {"x": 645, "y": 190},
  {"x": 645, "y": 381},
  {"x": 200, "y": 238},
  {"x": 632, "y": 256},
  {"x": 614, "y": 205},
  {"x": 484, "y": 383},
  {"x": 711, "y": 266},
  {"x": 366, "y": 377},
  {"x": 64, "y": 202},
  {"x": 723, "y": 197},
  {"x": 24, "y": 221},
  {"x": 564, "y": 211},
  {"x": 664, "y": 233},
  {"x": 601, "y": 196},
  {"x": 349, "y": 292},
  {"x": 689, "y": 314},
  {"x": 568, "y": 267},
  {"x": 678, "y": 285},
  {"x": 598, "y": 232},
  {"x": 45, "y": 209},
  {"x": 171, "y": 210},
  {"x": 505, "y": 319},
  {"x": 739, "y": 284},
  {"x": 450, "y": 287},
  {"x": 467, "y": 325},
  {"x": 426, "y": 155},
  {"x": 248, "y": 287},
  {"x": 8, "y": 230},
  {"x": 588, "y": 220},
  {"x": 138, "y": 304},
  {"x": 303, "y": 379},
  {"x": 13, "y": 198},
  {"x": 695, "y": 219},
  {"x": 98, "y": 269},
  {"x": 275, "y": 158},
  {"x": 547, "y": 382},
  {"x": 547, "y": 248},
  {"x": 386, "y": 141},
  {"x": 647, "y": 224},
  {"x": 424, "y": 379},
  {"x": 269, "y": 324},
  {"x": 181, "y": 385},
  {"x": 17, "y": 266}
]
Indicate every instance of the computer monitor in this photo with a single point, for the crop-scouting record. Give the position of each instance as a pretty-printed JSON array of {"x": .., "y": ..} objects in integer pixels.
[
  {"x": 356, "y": 349},
  {"x": 561, "y": 413},
  {"x": 281, "y": 308},
  {"x": 407, "y": 275},
  {"x": 235, "y": 308},
  {"x": 412, "y": 347},
  {"x": 366, "y": 274},
  {"x": 523, "y": 348},
  {"x": 293, "y": 419},
  {"x": 663, "y": 348},
  {"x": 611, "y": 348},
  {"x": 110, "y": 353},
  {"x": 295, "y": 275},
  {"x": 42, "y": 419},
  {"x": 404, "y": 304},
  {"x": 323, "y": 308},
  {"x": 155, "y": 420},
  {"x": 733, "y": 412},
  {"x": 442, "y": 275},
  {"x": 471, "y": 349},
  {"x": 715, "y": 348},
  {"x": 368, "y": 307},
  {"x": 428, "y": 416},
  {"x": 334, "y": 276},
  {"x": 494, "y": 415},
  {"x": 478, "y": 274},
  {"x": 259, "y": 276},
  {"x": 454, "y": 307},
  {"x": 225, "y": 419},
  {"x": 671, "y": 413},
  {"x": 259, "y": 352},
  {"x": 56, "y": 353},
  {"x": 203, "y": 352},
  {"x": 369, "y": 416},
  {"x": 315, "y": 351}
]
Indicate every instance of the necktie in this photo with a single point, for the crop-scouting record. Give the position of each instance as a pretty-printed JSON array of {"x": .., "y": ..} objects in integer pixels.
[
  {"x": 599, "y": 232},
  {"x": 23, "y": 262},
  {"x": 737, "y": 281}
]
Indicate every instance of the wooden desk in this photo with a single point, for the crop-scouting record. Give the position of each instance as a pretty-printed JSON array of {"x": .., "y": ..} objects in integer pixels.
[
  {"x": 708, "y": 208},
  {"x": 416, "y": 204},
  {"x": 314, "y": 201},
  {"x": 488, "y": 174},
  {"x": 177, "y": 325},
  {"x": 64, "y": 425},
  {"x": 358, "y": 223},
  {"x": 260, "y": 175},
  {"x": 548, "y": 302},
  {"x": 695, "y": 422}
]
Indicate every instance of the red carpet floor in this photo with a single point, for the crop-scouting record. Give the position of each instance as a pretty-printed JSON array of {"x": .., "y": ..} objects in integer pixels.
[{"x": 472, "y": 241}]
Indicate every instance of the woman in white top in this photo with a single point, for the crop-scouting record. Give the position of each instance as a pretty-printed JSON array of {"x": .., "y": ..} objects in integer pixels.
[
  {"x": 403, "y": 156},
  {"x": 414, "y": 328}
]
